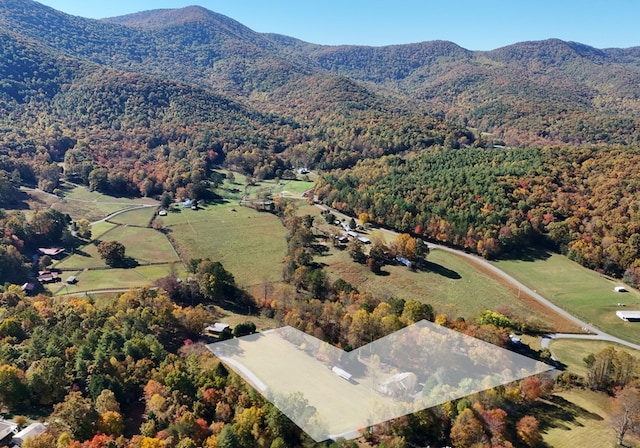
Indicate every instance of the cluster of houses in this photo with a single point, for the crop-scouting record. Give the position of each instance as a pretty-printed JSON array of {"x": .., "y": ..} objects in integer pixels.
[
  {"x": 350, "y": 234},
  {"x": 47, "y": 276},
  {"x": 11, "y": 436}
]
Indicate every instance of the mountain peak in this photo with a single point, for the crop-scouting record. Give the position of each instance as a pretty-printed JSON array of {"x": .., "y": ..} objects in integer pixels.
[{"x": 161, "y": 18}]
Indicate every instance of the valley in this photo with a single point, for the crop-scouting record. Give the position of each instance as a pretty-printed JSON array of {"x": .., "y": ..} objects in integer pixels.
[{"x": 171, "y": 169}]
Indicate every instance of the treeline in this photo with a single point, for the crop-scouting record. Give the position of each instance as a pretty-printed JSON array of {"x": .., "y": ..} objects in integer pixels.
[
  {"x": 579, "y": 201},
  {"x": 90, "y": 365}
]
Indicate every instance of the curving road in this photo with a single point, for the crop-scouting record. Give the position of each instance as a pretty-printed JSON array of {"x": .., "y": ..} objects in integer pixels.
[{"x": 595, "y": 333}]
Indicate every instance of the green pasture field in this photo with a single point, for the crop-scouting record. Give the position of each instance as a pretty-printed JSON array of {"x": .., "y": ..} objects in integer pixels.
[
  {"x": 106, "y": 279},
  {"x": 451, "y": 284},
  {"x": 100, "y": 228},
  {"x": 286, "y": 188},
  {"x": 250, "y": 244},
  {"x": 584, "y": 293},
  {"x": 142, "y": 244},
  {"x": 139, "y": 217},
  {"x": 579, "y": 418},
  {"x": 573, "y": 351},
  {"x": 79, "y": 202}
]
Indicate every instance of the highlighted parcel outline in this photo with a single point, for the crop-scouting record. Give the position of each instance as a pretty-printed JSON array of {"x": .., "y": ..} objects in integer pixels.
[{"x": 330, "y": 393}]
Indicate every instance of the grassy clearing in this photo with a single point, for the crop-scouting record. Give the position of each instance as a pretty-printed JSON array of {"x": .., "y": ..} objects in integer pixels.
[
  {"x": 144, "y": 245},
  {"x": 140, "y": 217},
  {"x": 105, "y": 279},
  {"x": 250, "y": 244},
  {"x": 233, "y": 319},
  {"x": 290, "y": 188},
  {"x": 573, "y": 351},
  {"x": 101, "y": 228},
  {"x": 79, "y": 202},
  {"x": 579, "y": 418},
  {"x": 584, "y": 293},
  {"x": 451, "y": 284}
]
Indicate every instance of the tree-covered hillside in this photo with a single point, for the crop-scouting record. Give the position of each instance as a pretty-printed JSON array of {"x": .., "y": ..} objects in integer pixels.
[{"x": 582, "y": 202}]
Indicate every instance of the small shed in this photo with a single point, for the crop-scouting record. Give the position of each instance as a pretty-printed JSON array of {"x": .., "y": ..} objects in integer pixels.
[
  {"x": 34, "y": 429},
  {"x": 162, "y": 213},
  {"x": 72, "y": 280},
  {"x": 620, "y": 289},
  {"x": 216, "y": 329}
]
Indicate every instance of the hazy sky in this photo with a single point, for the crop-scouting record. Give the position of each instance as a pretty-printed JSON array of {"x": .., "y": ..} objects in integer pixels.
[{"x": 473, "y": 24}]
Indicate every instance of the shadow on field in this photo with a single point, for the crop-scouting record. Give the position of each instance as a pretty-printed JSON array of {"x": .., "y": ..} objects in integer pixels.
[
  {"x": 557, "y": 412},
  {"x": 430, "y": 266},
  {"x": 527, "y": 254}
]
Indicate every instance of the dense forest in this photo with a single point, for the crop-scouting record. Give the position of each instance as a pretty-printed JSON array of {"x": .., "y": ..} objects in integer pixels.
[
  {"x": 581, "y": 202},
  {"x": 127, "y": 374}
]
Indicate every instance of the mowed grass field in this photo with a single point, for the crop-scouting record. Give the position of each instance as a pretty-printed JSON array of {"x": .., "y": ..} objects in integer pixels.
[
  {"x": 143, "y": 244},
  {"x": 250, "y": 244},
  {"x": 450, "y": 284},
  {"x": 573, "y": 351},
  {"x": 114, "y": 279},
  {"x": 140, "y": 217},
  {"x": 579, "y": 418},
  {"x": 584, "y": 293},
  {"x": 79, "y": 202}
]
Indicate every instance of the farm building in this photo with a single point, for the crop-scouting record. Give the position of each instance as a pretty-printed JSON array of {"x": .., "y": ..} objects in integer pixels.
[
  {"x": 620, "y": 289},
  {"x": 216, "y": 329},
  {"x": 72, "y": 280},
  {"x": 47, "y": 277},
  {"x": 399, "y": 385},
  {"x": 341, "y": 373},
  {"x": 162, "y": 213},
  {"x": 34, "y": 429},
  {"x": 629, "y": 316},
  {"x": 7, "y": 428},
  {"x": 364, "y": 240},
  {"x": 51, "y": 251}
]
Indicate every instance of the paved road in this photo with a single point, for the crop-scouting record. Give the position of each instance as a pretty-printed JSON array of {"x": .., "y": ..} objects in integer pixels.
[
  {"x": 595, "y": 333},
  {"x": 124, "y": 210}
]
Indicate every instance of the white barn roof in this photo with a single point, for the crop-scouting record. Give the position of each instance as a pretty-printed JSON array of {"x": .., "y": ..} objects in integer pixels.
[{"x": 629, "y": 316}]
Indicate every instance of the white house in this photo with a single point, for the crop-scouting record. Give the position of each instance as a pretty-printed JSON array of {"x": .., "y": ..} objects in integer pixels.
[
  {"x": 34, "y": 429},
  {"x": 7, "y": 428}
]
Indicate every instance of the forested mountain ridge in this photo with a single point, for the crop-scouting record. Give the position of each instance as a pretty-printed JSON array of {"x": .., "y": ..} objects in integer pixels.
[
  {"x": 527, "y": 93},
  {"x": 149, "y": 103},
  {"x": 162, "y": 133}
]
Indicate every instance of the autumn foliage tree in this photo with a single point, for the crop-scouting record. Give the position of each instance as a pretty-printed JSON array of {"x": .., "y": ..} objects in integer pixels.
[
  {"x": 625, "y": 415},
  {"x": 112, "y": 252},
  {"x": 528, "y": 430}
]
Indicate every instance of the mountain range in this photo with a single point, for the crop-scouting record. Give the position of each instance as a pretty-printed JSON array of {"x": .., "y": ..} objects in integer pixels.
[
  {"x": 206, "y": 90},
  {"x": 527, "y": 93}
]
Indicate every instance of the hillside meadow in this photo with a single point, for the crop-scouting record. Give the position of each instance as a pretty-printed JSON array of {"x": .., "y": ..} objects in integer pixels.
[{"x": 584, "y": 293}]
